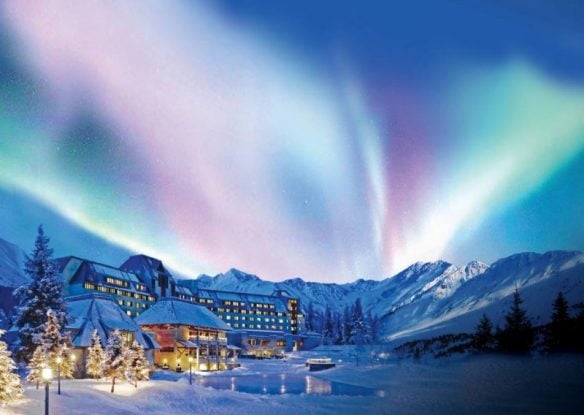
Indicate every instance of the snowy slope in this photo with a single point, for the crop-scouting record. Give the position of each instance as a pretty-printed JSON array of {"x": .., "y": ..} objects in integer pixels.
[
  {"x": 437, "y": 297},
  {"x": 11, "y": 276},
  {"x": 539, "y": 277},
  {"x": 11, "y": 265},
  {"x": 423, "y": 299},
  {"x": 437, "y": 279}
]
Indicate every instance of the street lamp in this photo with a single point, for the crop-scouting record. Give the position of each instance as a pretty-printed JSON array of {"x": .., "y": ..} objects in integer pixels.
[
  {"x": 47, "y": 375},
  {"x": 59, "y": 361},
  {"x": 190, "y": 370}
]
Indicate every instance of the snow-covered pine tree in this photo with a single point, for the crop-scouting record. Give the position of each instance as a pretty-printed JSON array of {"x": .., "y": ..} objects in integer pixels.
[
  {"x": 310, "y": 317},
  {"x": 360, "y": 329},
  {"x": 45, "y": 292},
  {"x": 138, "y": 366},
  {"x": 35, "y": 366},
  {"x": 347, "y": 326},
  {"x": 328, "y": 328},
  {"x": 338, "y": 329},
  {"x": 373, "y": 327},
  {"x": 116, "y": 352},
  {"x": 10, "y": 387},
  {"x": 54, "y": 345},
  {"x": 96, "y": 357}
]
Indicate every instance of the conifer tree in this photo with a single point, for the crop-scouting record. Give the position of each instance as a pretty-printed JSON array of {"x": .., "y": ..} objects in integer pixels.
[
  {"x": 517, "y": 336},
  {"x": 137, "y": 365},
  {"x": 10, "y": 387},
  {"x": 45, "y": 292},
  {"x": 96, "y": 357},
  {"x": 35, "y": 366},
  {"x": 557, "y": 336},
  {"x": 338, "y": 329},
  {"x": 116, "y": 353},
  {"x": 483, "y": 338},
  {"x": 54, "y": 345},
  {"x": 347, "y": 326},
  {"x": 373, "y": 326},
  {"x": 310, "y": 317},
  {"x": 328, "y": 331},
  {"x": 360, "y": 329},
  {"x": 578, "y": 333}
]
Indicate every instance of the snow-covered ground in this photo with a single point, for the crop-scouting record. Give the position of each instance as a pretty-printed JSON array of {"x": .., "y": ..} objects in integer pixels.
[{"x": 489, "y": 384}]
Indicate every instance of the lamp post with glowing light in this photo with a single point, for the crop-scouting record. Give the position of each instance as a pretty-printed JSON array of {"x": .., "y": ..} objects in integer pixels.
[
  {"x": 47, "y": 375},
  {"x": 59, "y": 362}
]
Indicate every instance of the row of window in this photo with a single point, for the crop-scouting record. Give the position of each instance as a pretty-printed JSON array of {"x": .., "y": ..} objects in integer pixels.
[
  {"x": 257, "y": 312},
  {"x": 124, "y": 293},
  {"x": 115, "y": 281},
  {"x": 257, "y": 326},
  {"x": 258, "y": 319},
  {"x": 132, "y": 304},
  {"x": 252, "y": 305}
]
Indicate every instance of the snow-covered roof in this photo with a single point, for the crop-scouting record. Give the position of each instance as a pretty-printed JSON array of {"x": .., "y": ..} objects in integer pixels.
[
  {"x": 79, "y": 270},
  {"x": 174, "y": 311},
  {"x": 146, "y": 267},
  {"x": 98, "y": 312}
]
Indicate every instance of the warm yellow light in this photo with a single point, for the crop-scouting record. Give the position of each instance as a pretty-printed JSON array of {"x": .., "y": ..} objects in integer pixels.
[
  {"x": 165, "y": 361},
  {"x": 59, "y": 360},
  {"x": 47, "y": 373},
  {"x": 73, "y": 357},
  {"x": 190, "y": 359}
]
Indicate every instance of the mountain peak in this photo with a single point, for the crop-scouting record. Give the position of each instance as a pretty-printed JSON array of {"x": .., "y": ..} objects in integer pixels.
[
  {"x": 474, "y": 268},
  {"x": 239, "y": 275}
]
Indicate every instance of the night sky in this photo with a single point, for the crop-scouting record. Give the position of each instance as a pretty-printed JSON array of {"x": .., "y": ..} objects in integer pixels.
[{"x": 316, "y": 139}]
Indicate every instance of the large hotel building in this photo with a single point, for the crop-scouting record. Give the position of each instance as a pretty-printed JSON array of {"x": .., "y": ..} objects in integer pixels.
[{"x": 262, "y": 325}]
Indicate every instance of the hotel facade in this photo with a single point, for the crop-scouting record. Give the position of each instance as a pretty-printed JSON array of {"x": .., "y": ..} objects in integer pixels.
[{"x": 260, "y": 325}]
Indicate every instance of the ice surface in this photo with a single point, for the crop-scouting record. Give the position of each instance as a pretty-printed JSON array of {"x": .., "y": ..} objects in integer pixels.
[{"x": 477, "y": 385}]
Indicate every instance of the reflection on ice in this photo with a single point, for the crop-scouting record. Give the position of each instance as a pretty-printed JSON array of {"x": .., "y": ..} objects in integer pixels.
[{"x": 272, "y": 384}]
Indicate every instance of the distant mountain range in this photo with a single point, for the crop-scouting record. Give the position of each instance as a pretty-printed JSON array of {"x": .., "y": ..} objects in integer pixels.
[
  {"x": 11, "y": 276},
  {"x": 423, "y": 300},
  {"x": 428, "y": 299}
]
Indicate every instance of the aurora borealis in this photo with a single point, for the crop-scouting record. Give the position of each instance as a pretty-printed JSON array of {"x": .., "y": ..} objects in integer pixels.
[{"x": 324, "y": 141}]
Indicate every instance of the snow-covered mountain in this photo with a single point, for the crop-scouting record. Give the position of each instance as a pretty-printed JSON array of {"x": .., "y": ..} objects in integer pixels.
[
  {"x": 422, "y": 300},
  {"x": 11, "y": 265},
  {"x": 436, "y": 279},
  {"x": 539, "y": 278},
  {"x": 11, "y": 276},
  {"x": 436, "y": 297}
]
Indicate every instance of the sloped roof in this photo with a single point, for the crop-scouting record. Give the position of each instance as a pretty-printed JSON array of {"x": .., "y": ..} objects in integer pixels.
[
  {"x": 98, "y": 312},
  {"x": 81, "y": 270},
  {"x": 174, "y": 311}
]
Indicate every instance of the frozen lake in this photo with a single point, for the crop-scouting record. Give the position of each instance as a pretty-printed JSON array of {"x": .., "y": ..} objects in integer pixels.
[
  {"x": 471, "y": 385},
  {"x": 279, "y": 384}
]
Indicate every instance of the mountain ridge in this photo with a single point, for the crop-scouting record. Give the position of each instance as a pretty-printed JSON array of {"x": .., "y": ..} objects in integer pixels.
[{"x": 424, "y": 298}]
